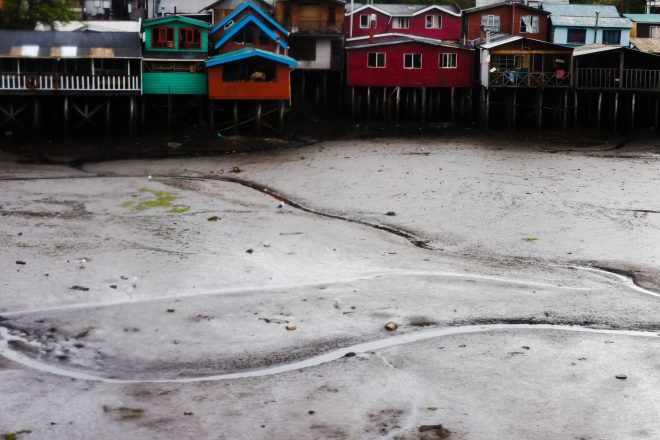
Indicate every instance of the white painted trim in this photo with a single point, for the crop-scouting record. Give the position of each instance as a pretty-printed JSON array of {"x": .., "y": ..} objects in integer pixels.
[
  {"x": 421, "y": 11},
  {"x": 384, "y": 60},
  {"x": 421, "y": 65},
  {"x": 425, "y": 22},
  {"x": 448, "y": 53}
]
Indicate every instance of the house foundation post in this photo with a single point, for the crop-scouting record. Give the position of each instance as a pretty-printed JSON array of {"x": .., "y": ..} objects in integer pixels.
[
  {"x": 600, "y": 106},
  {"x": 423, "y": 109},
  {"x": 616, "y": 112}
]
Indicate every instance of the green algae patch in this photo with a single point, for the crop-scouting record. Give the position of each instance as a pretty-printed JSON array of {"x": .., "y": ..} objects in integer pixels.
[
  {"x": 14, "y": 435},
  {"x": 157, "y": 199}
]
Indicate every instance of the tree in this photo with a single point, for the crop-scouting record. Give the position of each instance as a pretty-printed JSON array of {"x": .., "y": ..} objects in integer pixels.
[{"x": 25, "y": 14}]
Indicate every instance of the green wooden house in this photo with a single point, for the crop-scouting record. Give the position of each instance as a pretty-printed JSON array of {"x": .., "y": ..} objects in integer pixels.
[{"x": 175, "y": 49}]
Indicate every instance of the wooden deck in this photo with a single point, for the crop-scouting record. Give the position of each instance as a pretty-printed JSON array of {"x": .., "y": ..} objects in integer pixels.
[
  {"x": 528, "y": 79},
  {"x": 617, "y": 79},
  {"x": 53, "y": 83}
]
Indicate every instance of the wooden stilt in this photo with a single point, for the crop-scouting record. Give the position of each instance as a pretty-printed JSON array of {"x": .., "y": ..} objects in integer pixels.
[
  {"x": 281, "y": 117},
  {"x": 384, "y": 106},
  {"x": 359, "y": 104},
  {"x": 169, "y": 112},
  {"x": 236, "y": 119},
  {"x": 414, "y": 104},
  {"x": 107, "y": 115},
  {"x": 325, "y": 90},
  {"x": 303, "y": 87},
  {"x": 564, "y": 114},
  {"x": 616, "y": 112},
  {"x": 200, "y": 109},
  {"x": 657, "y": 112},
  {"x": 487, "y": 110},
  {"x": 36, "y": 120},
  {"x": 131, "y": 116},
  {"x": 398, "y": 104},
  {"x": 539, "y": 111},
  {"x": 143, "y": 112},
  {"x": 352, "y": 102},
  {"x": 317, "y": 95},
  {"x": 423, "y": 109},
  {"x": 575, "y": 110},
  {"x": 599, "y": 108},
  {"x": 65, "y": 111},
  {"x": 453, "y": 104},
  {"x": 212, "y": 116},
  {"x": 632, "y": 112},
  {"x": 368, "y": 103},
  {"x": 514, "y": 109},
  {"x": 258, "y": 116}
]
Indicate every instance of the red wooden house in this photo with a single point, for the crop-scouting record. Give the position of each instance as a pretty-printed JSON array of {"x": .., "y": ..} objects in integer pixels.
[
  {"x": 251, "y": 64},
  {"x": 442, "y": 22},
  {"x": 407, "y": 61},
  {"x": 505, "y": 18}
]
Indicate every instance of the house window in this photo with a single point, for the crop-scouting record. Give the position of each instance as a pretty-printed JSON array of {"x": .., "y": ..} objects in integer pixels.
[
  {"x": 529, "y": 24},
  {"x": 448, "y": 61},
  {"x": 365, "y": 21},
  {"x": 190, "y": 38},
  {"x": 576, "y": 36},
  {"x": 433, "y": 22},
  {"x": 332, "y": 19},
  {"x": 401, "y": 23},
  {"x": 506, "y": 62},
  {"x": 611, "y": 36},
  {"x": 490, "y": 23},
  {"x": 654, "y": 32},
  {"x": 303, "y": 50},
  {"x": 162, "y": 37},
  {"x": 412, "y": 61},
  {"x": 249, "y": 71},
  {"x": 376, "y": 60}
]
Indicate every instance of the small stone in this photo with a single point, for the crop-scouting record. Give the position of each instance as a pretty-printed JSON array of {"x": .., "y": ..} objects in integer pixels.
[
  {"x": 113, "y": 286},
  {"x": 349, "y": 354},
  {"x": 390, "y": 213},
  {"x": 621, "y": 376},
  {"x": 391, "y": 326},
  {"x": 81, "y": 288},
  {"x": 20, "y": 262},
  {"x": 170, "y": 310},
  {"x": 214, "y": 218},
  {"x": 249, "y": 251},
  {"x": 187, "y": 413},
  {"x": 310, "y": 412},
  {"x": 291, "y": 327},
  {"x": 524, "y": 347},
  {"x": 235, "y": 169}
]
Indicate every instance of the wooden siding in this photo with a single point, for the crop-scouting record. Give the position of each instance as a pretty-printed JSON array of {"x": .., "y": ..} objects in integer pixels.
[
  {"x": 248, "y": 11},
  {"x": 394, "y": 75},
  {"x": 176, "y": 26},
  {"x": 163, "y": 83},
  {"x": 257, "y": 91},
  {"x": 449, "y": 31},
  {"x": 306, "y": 24},
  {"x": 643, "y": 30},
  {"x": 509, "y": 22}
]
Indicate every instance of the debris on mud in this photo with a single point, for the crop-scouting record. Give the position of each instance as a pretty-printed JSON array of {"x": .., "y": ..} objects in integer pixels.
[
  {"x": 235, "y": 169},
  {"x": 390, "y": 213},
  {"x": 433, "y": 432},
  {"x": 125, "y": 413},
  {"x": 20, "y": 262},
  {"x": 291, "y": 327},
  {"x": 249, "y": 251},
  {"x": 391, "y": 326},
  {"x": 621, "y": 376},
  {"x": 213, "y": 218},
  {"x": 14, "y": 435},
  {"x": 80, "y": 288}
]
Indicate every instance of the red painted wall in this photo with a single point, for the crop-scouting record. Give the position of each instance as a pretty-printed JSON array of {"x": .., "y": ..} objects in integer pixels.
[
  {"x": 257, "y": 91},
  {"x": 472, "y": 28},
  {"x": 451, "y": 25},
  {"x": 394, "y": 75}
]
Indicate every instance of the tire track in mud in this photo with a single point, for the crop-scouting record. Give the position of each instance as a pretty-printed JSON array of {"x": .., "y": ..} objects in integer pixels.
[{"x": 7, "y": 340}]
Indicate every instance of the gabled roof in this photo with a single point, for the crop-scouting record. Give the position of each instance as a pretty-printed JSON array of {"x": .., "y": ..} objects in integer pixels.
[
  {"x": 644, "y": 18},
  {"x": 593, "y": 48},
  {"x": 497, "y": 5},
  {"x": 394, "y": 38},
  {"x": 402, "y": 10},
  {"x": 585, "y": 16},
  {"x": 92, "y": 26},
  {"x": 244, "y": 22},
  {"x": 54, "y": 44},
  {"x": 250, "y": 52},
  {"x": 256, "y": 9},
  {"x": 174, "y": 18},
  {"x": 185, "y": 6},
  {"x": 212, "y": 4},
  {"x": 648, "y": 45},
  {"x": 511, "y": 39}
]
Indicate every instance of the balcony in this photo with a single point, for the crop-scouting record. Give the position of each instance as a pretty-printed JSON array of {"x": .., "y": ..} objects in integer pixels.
[
  {"x": 315, "y": 26},
  {"x": 54, "y": 83},
  {"x": 510, "y": 78},
  {"x": 617, "y": 79}
]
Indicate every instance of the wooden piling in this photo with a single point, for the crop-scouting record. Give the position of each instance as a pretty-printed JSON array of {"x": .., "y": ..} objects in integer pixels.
[
  {"x": 36, "y": 119},
  {"x": 632, "y": 112},
  {"x": 236, "y": 119},
  {"x": 616, "y": 112},
  {"x": 352, "y": 102},
  {"x": 398, "y": 104},
  {"x": 280, "y": 125},
  {"x": 258, "y": 118},
  {"x": 107, "y": 115},
  {"x": 514, "y": 110},
  {"x": 539, "y": 111},
  {"x": 453, "y": 104},
  {"x": 599, "y": 108},
  {"x": 368, "y": 103},
  {"x": 423, "y": 110},
  {"x": 564, "y": 115},
  {"x": 131, "y": 115}
]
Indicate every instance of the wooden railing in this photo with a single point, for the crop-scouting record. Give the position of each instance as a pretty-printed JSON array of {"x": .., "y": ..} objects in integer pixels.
[
  {"x": 529, "y": 79},
  {"x": 622, "y": 79},
  {"x": 52, "y": 82},
  {"x": 314, "y": 26}
]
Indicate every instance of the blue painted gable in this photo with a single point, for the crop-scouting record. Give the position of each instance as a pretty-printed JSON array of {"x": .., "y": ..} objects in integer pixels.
[
  {"x": 244, "y": 22},
  {"x": 256, "y": 9}
]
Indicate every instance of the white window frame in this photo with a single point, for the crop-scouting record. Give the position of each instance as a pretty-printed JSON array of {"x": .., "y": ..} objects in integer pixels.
[
  {"x": 448, "y": 57},
  {"x": 377, "y": 55},
  {"x": 435, "y": 20},
  {"x": 490, "y": 22},
  {"x": 654, "y": 30},
  {"x": 400, "y": 22},
  {"x": 412, "y": 60},
  {"x": 535, "y": 24},
  {"x": 368, "y": 16}
]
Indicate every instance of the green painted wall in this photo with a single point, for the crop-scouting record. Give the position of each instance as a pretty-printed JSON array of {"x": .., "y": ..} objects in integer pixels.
[
  {"x": 174, "y": 83},
  {"x": 176, "y": 26}
]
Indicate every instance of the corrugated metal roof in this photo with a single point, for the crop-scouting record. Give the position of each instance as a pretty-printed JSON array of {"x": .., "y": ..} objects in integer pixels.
[
  {"x": 403, "y": 10},
  {"x": 603, "y": 22},
  {"x": 593, "y": 48},
  {"x": 185, "y": 6},
  {"x": 54, "y": 44},
  {"x": 498, "y": 4},
  {"x": 582, "y": 10},
  {"x": 92, "y": 26},
  {"x": 500, "y": 42},
  {"x": 644, "y": 18},
  {"x": 648, "y": 45}
]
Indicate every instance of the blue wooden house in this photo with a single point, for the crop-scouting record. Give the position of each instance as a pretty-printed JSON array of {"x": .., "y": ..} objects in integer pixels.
[{"x": 577, "y": 25}]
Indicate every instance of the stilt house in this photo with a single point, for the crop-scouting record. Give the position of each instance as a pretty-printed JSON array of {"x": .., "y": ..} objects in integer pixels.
[{"x": 509, "y": 18}]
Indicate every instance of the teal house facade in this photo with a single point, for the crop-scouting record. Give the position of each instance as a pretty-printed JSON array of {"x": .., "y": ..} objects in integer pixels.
[{"x": 175, "y": 49}]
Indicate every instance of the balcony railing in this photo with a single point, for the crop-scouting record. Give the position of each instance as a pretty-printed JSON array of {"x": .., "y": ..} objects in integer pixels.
[
  {"x": 68, "y": 83},
  {"x": 315, "y": 26},
  {"x": 619, "y": 79},
  {"x": 510, "y": 78}
]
